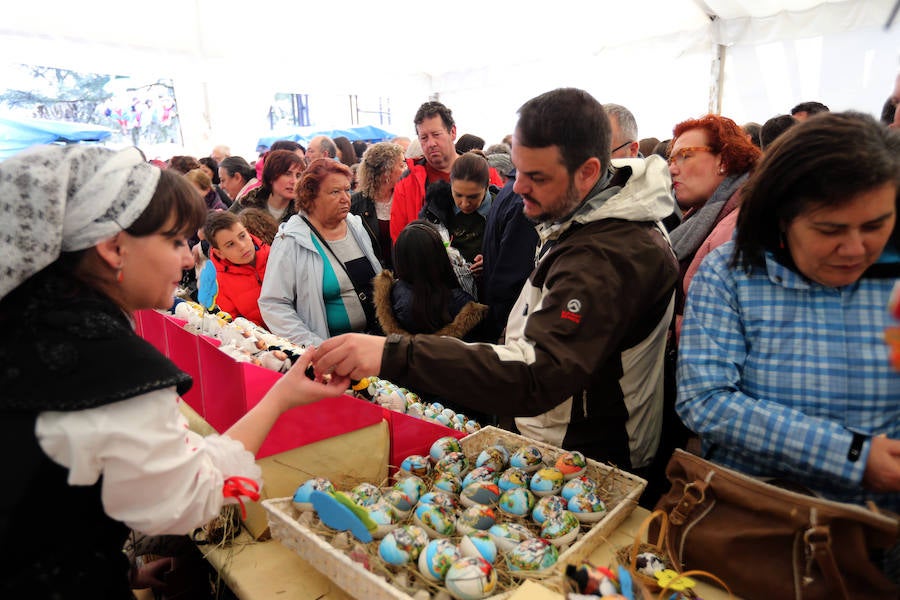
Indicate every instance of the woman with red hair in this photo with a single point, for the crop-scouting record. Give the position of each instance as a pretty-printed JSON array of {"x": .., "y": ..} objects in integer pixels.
[{"x": 709, "y": 159}]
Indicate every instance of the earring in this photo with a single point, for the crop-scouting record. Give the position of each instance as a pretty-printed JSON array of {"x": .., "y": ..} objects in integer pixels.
[
  {"x": 721, "y": 170},
  {"x": 120, "y": 275}
]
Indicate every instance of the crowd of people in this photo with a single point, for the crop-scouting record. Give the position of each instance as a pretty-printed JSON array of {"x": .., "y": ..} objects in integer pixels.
[{"x": 726, "y": 289}]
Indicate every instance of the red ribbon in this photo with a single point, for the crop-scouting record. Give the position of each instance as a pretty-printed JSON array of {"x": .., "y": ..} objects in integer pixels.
[{"x": 236, "y": 487}]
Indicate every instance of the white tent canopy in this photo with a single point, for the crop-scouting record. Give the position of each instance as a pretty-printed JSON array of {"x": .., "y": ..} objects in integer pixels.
[{"x": 483, "y": 59}]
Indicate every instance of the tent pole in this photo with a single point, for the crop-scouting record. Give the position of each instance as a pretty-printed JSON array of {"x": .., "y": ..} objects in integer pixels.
[{"x": 717, "y": 80}]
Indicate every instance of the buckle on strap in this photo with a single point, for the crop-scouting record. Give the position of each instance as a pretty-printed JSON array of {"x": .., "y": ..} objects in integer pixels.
[{"x": 694, "y": 493}]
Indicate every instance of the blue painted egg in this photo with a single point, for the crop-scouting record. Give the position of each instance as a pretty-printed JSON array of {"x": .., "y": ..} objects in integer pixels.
[
  {"x": 480, "y": 492},
  {"x": 441, "y": 499},
  {"x": 578, "y": 485},
  {"x": 416, "y": 465},
  {"x": 479, "y": 543},
  {"x": 437, "y": 557},
  {"x": 412, "y": 486},
  {"x": 533, "y": 555},
  {"x": 403, "y": 545},
  {"x": 508, "y": 535},
  {"x": 495, "y": 457},
  {"x": 560, "y": 528},
  {"x": 400, "y": 501},
  {"x": 436, "y": 520},
  {"x": 470, "y": 578},
  {"x": 547, "y": 482},
  {"x": 588, "y": 507},
  {"x": 480, "y": 474},
  {"x": 548, "y": 506},
  {"x": 442, "y": 419},
  {"x": 454, "y": 463},
  {"x": 301, "y": 499},
  {"x": 365, "y": 494},
  {"x": 384, "y": 516},
  {"x": 513, "y": 478},
  {"x": 517, "y": 502},
  {"x": 476, "y": 517},
  {"x": 527, "y": 458},
  {"x": 447, "y": 483}
]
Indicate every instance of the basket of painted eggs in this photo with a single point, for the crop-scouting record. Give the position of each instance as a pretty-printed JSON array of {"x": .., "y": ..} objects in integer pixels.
[{"x": 470, "y": 518}]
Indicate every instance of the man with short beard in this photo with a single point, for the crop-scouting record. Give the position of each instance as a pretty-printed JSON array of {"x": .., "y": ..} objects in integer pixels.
[{"x": 582, "y": 363}]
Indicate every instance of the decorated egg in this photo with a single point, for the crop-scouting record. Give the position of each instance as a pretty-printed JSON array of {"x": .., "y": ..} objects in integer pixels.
[
  {"x": 588, "y": 507},
  {"x": 472, "y": 426},
  {"x": 398, "y": 499},
  {"x": 571, "y": 464},
  {"x": 454, "y": 463},
  {"x": 479, "y": 543},
  {"x": 480, "y": 474},
  {"x": 442, "y": 419},
  {"x": 436, "y": 558},
  {"x": 436, "y": 520},
  {"x": 365, "y": 494},
  {"x": 578, "y": 485},
  {"x": 547, "y": 482},
  {"x": 384, "y": 516},
  {"x": 517, "y": 502},
  {"x": 440, "y": 499},
  {"x": 480, "y": 492},
  {"x": 403, "y": 545},
  {"x": 649, "y": 564},
  {"x": 548, "y": 506},
  {"x": 412, "y": 486},
  {"x": 416, "y": 409},
  {"x": 532, "y": 555},
  {"x": 436, "y": 406},
  {"x": 560, "y": 528},
  {"x": 495, "y": 457},
  {"x": 527, "y": 458},
  {"x": 443, "y": 446},
  {"x": 508, "y": 535},
  {"x": 416, "y": 465},
  {"x": 449, "y": 413},
  {"x": 448, "y": 483},
  {"x": 301, "y": 499},
  {"x": 475, "y": 517},
  {"x": 513, "y": 478},
  {"x": 470, "y": 578}
]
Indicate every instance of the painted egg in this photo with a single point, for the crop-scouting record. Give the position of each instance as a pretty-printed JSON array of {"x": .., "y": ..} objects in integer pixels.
[
  {"x": 495, "y": 457},
  {"x": 470, "y": 578},
  {"x": 436, "y": 520},
  {"x": 527, "y": 458},
  {"x": 547, "y": 482},
  {"x": 578, "y": 485},
  {"x": 460, "y": 418},
  {"x": 448, "y": 483},
  {"x": 403, "y": 545},
  {"x": 416, "y": 409},
  {"x": 571, "y": 464},
  {"x": 479, "y": 543},
  {"x": 480, "y": 474},
  {"x": 517, "y": 502},
  {"x": 443, "y": 446},
  {"x": 454, "y": 463},
  {"x": 513, "y": 478},
  {"x": 412, "y": 398},
  {"x": 649, "y": 564},
  {"x": 532, "y": 555},
  {"x": 301, "y": 499},
  {"x": 472, "y": 426},
  {"x": 384, "y": 516},
  {"x": 416, "y": 465},
  {"x": 476, "y": 517},
  {"x": 449, "y": 413},
  {"x": 429, "y": 413},
  {"x": 561, "y": 528},
  {"x": 480, "y": 492},
  {"x": 588, "y": 507},
  {"x": 436, "y": 406},
  {"x": 508, "y": 535},
  {"x": 442, "y": 419},
  {"x": 412, "y": 486},
  {"x": 400, "y": 501},
  {"x": 440, "y": 499},
  {"x": 365, "y": 494},
  {"x": 436, "y": 558},
  {"x": 456, "y": 425},
  {"x": 547, "y": 507}
]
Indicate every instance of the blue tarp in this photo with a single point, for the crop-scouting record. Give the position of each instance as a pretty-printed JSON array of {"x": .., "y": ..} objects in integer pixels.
[
  {"x": 368, "y": 133},
  {"x": 17, "y": 134}
]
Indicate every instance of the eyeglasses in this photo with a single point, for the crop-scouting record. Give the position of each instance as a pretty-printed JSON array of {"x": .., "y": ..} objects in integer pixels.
[
  {"x": 683, "y": 154},
  {"x": 619, "y": 147}
]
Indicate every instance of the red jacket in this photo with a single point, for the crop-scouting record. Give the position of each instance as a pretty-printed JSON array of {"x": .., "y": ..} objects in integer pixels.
[
  {"x": 409, "y": 195},
  {"x": 240, "y": 285}
]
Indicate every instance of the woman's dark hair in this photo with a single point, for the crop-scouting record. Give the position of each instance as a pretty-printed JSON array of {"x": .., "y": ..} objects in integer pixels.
[
  {"x": 360, "y": 147},
  {"x": 826, "y": 160},
  {"x": 236, "y": 165},
  {"x": 421, "y": 260},
  {"x": 312, "y": 180},
  {"x": 174, "y": 202},
  {"x": 278, "y": 162},
  {"x": 260, "y": 223},
  {"x": 213, "y": 166},
  {"x": 287, "y": 145},
  {"x": 348, "y": 154},
  {"x": 183, "y": 163},
  {"x": 471, "y": 167},
  {"x": 726, "y": 139}
]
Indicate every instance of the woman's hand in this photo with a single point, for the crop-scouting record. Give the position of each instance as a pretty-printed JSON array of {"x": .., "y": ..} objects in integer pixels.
[
  {"x": 883, "y": 467},
  {"x": 296, "y": 389},
  {"x": 477, "y": 265}
]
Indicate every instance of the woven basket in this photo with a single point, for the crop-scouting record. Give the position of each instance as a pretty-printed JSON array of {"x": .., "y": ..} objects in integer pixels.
[
  {"x": 694, "y": 573},
  {"x": 627, "y": 555}
]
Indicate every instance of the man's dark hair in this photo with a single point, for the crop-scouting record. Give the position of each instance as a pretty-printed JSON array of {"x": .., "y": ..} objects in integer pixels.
[
  {"x": 810, "y": 108},
  {"x": 328, "y": 147},
  {"x": 888, "y": 111},
  {"x": 774, "y": 127},
  {"x": 432, "y": 108},
  {"x": 570, "y": 119},
  {"x": 752, "y": 129}
]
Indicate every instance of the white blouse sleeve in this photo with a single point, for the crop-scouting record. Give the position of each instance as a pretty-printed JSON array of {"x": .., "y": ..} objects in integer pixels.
[{"x": 158, "y": 476}]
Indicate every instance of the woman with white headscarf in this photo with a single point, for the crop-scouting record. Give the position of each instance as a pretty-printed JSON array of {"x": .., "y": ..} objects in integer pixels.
[{"x": 93, "y": 441}]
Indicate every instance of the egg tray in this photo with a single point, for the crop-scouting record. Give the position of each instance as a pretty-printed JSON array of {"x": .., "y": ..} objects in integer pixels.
[{"x": 329, "y": 551}]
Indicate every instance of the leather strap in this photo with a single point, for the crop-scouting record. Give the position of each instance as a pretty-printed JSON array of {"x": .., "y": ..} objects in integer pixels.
[
  {"x": 818, "y": 540},
  {"x": 694, "y": 494}
]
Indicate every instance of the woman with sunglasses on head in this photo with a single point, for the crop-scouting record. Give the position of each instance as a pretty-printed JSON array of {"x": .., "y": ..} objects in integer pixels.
[
  {"x": 89, "y": 417},
  {"x": 709, "y": 160}
]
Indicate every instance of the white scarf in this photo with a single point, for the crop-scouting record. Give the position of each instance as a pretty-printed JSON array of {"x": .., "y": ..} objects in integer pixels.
[{"x": 57, "y": 199}]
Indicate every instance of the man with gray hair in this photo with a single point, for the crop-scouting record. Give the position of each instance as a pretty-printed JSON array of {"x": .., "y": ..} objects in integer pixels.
[
  {"x": 624, "y": 143},
  {"x": 320, "y": 146}
]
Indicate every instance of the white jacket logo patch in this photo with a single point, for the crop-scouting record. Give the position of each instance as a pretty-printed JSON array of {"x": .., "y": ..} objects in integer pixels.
[{"x": 573, "y": 307}]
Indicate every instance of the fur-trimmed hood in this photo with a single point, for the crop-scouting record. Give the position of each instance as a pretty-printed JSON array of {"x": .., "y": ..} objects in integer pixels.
[{"x": 467, "y": 319}]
